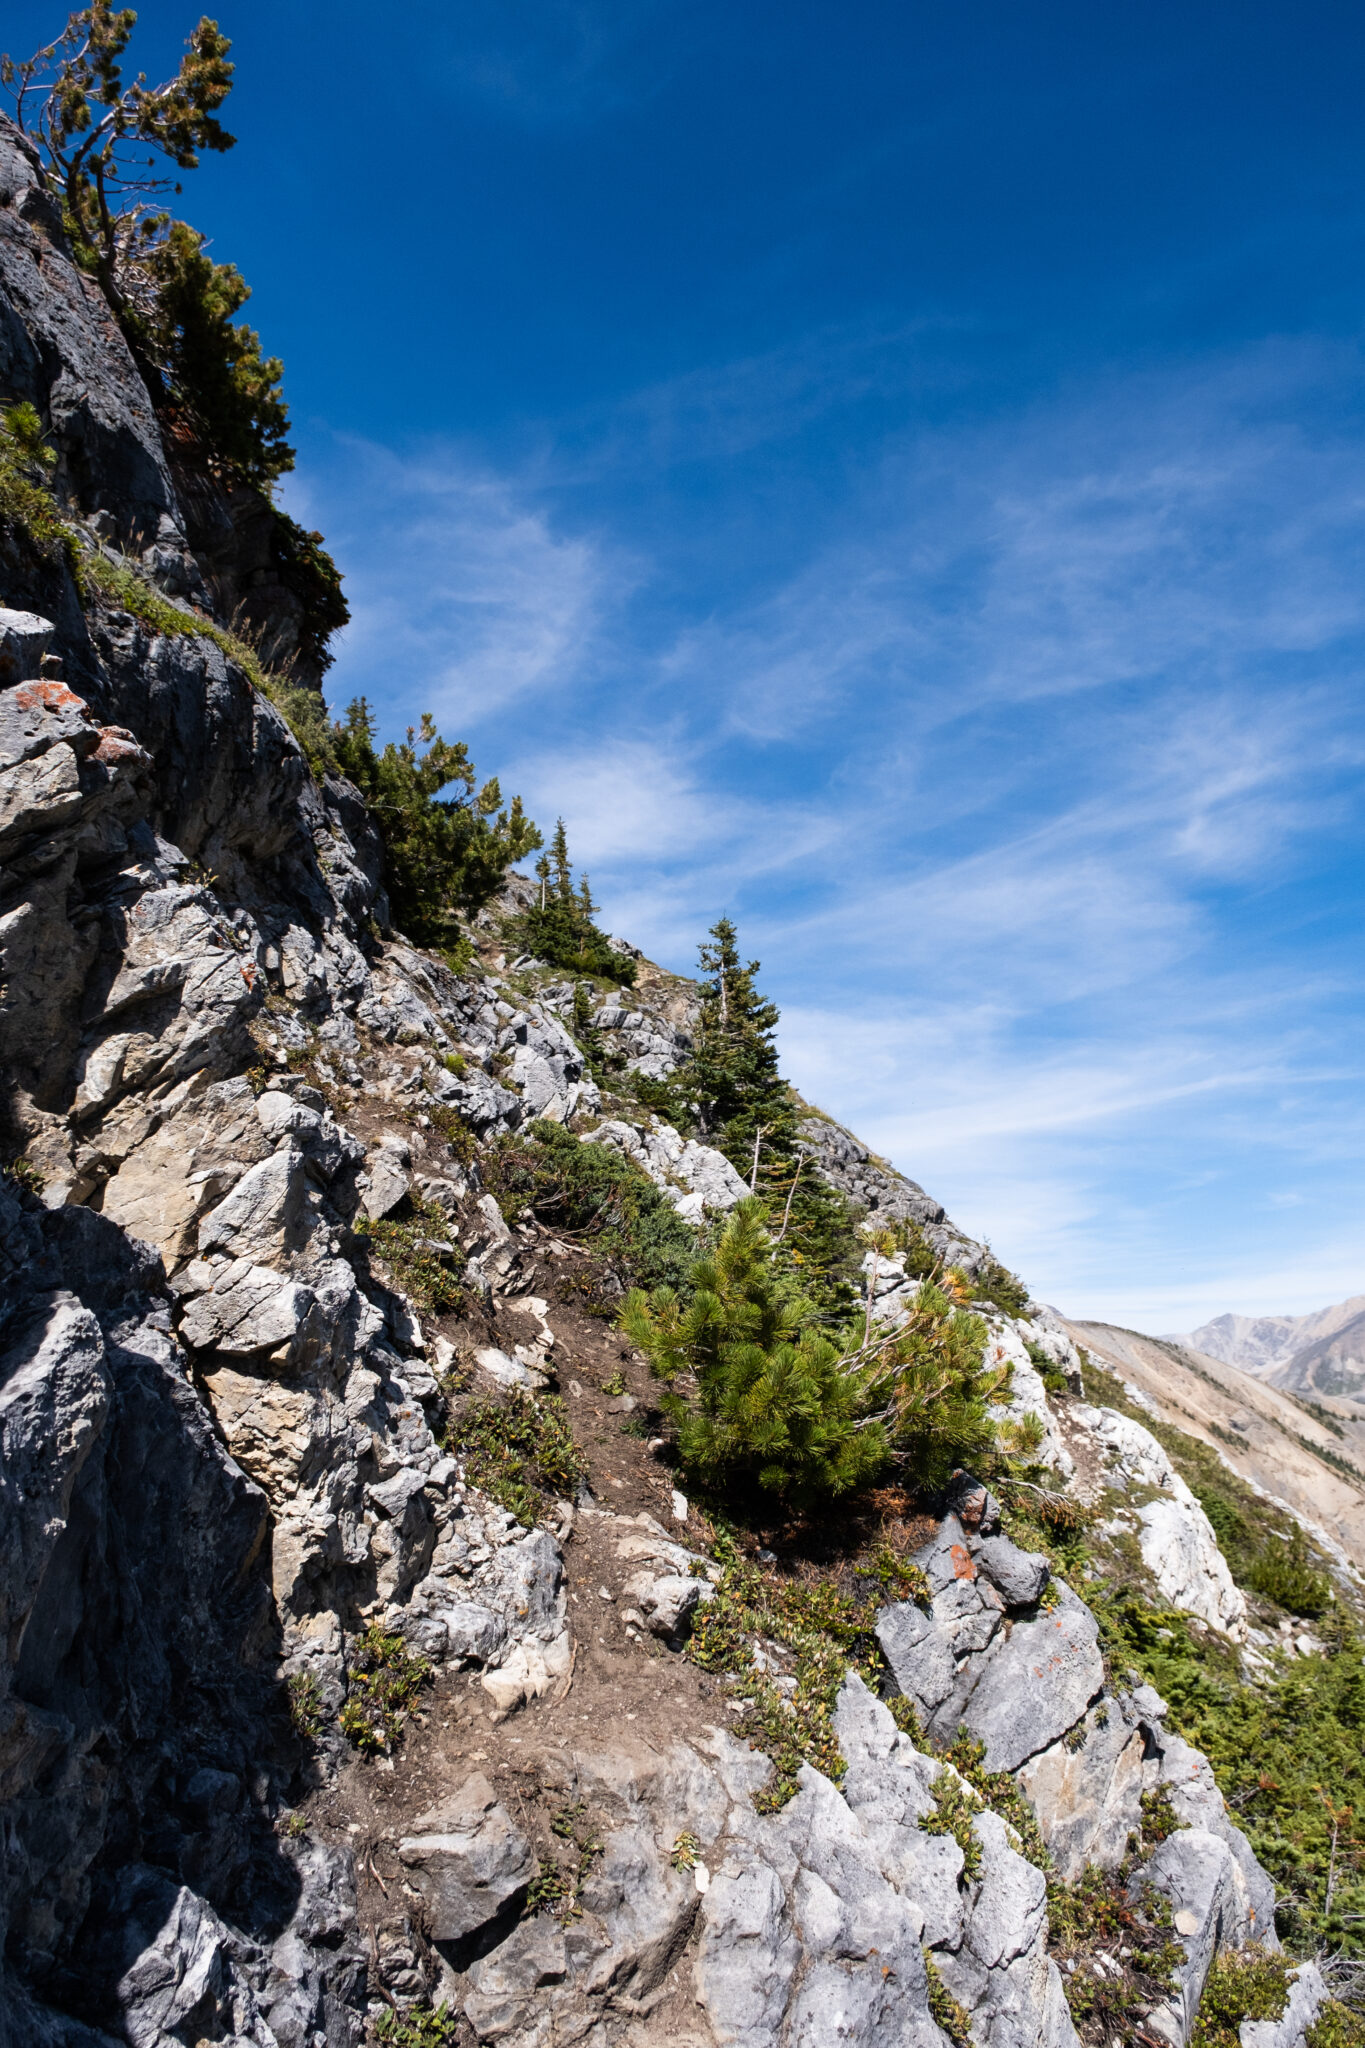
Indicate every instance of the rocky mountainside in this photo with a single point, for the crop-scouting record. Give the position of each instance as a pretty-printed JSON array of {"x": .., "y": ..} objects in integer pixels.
[
  {"x": 1309, "y": 1456},
  {"x": 368, "y": 1673},
  {"x": 1292, "y": 1351}
]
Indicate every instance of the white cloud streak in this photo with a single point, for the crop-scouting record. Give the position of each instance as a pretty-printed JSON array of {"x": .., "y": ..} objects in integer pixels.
[{"x": 1003, "y": 764}]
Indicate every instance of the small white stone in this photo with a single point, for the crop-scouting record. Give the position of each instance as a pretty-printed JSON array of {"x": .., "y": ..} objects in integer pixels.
[{"x": 679, "y": 1506}]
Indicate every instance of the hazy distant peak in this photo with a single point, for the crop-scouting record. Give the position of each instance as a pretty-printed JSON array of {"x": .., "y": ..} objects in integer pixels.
[{"x": 1268, "y": 1345}]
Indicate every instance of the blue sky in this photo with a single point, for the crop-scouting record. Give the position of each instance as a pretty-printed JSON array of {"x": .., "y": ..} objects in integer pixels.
[{"x": 896, "y": 474}]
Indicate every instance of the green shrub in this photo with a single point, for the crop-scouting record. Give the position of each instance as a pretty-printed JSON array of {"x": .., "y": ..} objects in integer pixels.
[
  {"x": 996, "y": 1284},
  {"x": 997, "y": 1790},
  {"x": 421, "y": 2026},
  {"x": 745, "y": 1109},
  {"x": 948, "y": 2016},
  {"x": 1250, "y": 1984},
  {"x": 775, "y": 1406},
  {"x": 562, "y": 936},
  {"x": 685, "y": 1851},
  {"x": 1047, "y": 1368},
  {"x": 442, "y": 854},
  {"x": 519, "y": 1451},
  {"x": 955, "y": 1807},
  {"x": 305, "y": 1704},
  {"x": 805, "y": 1414},
  {"x": 27, "y": 508},
  {"x": 421, "y": 1252},
  {"x": 1337, "y": 2026},
  {"x": 592, "y": 1195},
  {"x": 932, "y": 1375},
  {"x": 1120, "y": 1946},
  {"x": 385, "y": 1678},
  {"x": 1284, "y": 1573}
]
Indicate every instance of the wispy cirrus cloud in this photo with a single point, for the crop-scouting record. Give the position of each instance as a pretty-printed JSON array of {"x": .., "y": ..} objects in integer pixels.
[
  {"x": 466, "y": 598},
  {"x": 1038, "y": 754}
]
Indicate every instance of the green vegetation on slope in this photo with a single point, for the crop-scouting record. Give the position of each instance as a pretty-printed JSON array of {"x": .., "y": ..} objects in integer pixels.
[
  {"x": 558, "y": 928},
  {"x": 443, "y": 854},
  {"x": 769, "y": 1402},
  {"x": 595, "y": 1198},
  {"x": 1288, "y": 1751}
]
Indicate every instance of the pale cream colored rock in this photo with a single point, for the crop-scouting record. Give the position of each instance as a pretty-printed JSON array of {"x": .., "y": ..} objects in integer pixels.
[
  {"x": 269, "y": 1428},
  {"x": 40, "y": 795},
  {"x": 1088, "y": 1798},
  {"x": 159, "y": 1195}
]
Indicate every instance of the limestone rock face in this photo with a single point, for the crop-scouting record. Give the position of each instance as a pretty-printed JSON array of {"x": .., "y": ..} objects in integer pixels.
[
  {"x": 60, "y": 348},
  {"x": 694, "y": 1177},
  {"x": 1176, "y": 1538},
  {"x": 1018, "y": 1689}
]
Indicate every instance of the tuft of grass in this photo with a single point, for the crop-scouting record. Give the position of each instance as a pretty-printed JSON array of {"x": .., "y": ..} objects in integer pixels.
[
  {"x": 519, "y": 1451},
  {"x": 386, "y": 1678},
  {"x": 421, "y": 1253},
  {"x": 949, "y": 2017},
  {"x": 1245, "y": 1984}
]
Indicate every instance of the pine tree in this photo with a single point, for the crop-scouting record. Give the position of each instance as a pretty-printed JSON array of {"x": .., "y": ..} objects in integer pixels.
[
  {"x": 563, "y": 868},
  {"x": 749, "y": 1112},
  {"x": 560, "y": 929},
  {"x": 442, "y": 854},
  {"x": 733, "y": 1073},
  {"x": 774, "y": 1408}
]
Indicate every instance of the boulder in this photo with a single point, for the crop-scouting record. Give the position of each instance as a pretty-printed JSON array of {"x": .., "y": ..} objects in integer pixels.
[
  {"x": 246, "y": 1308},
  {"x": 468, "y": 1860},
  {"x": 1019, "y": 1576},
  {"x": 1088, "y": 1796},
  {"x": 667, "y": 1604},
  {"x": 1180, "y": 1550},
  {"x": 1036, "y": 1683},
  {"x": 389, "y": 1168},
  {"x": 24, "y": 640}
]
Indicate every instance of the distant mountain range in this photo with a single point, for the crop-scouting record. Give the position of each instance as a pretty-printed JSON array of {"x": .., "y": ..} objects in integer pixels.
[{"x": 1322, "y": 1353}]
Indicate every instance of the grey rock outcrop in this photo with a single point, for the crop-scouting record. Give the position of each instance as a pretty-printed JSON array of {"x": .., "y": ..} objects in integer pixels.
[
  {"x": 1017, "y": 1689},
  {"x": 694, "y": 1177},
  {"x": 468, "y": 1861}
]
